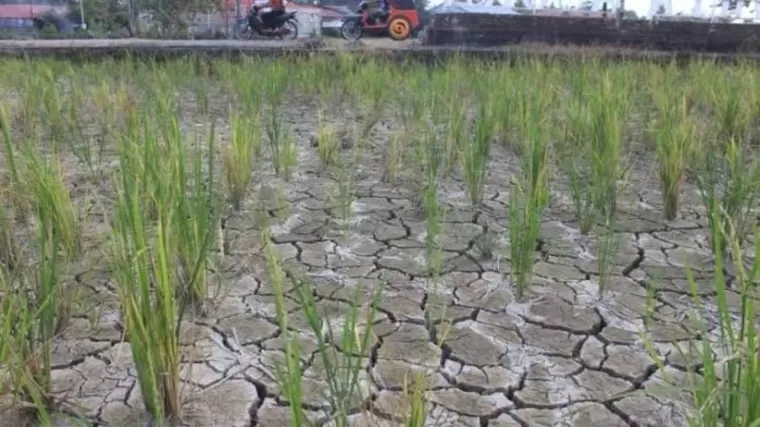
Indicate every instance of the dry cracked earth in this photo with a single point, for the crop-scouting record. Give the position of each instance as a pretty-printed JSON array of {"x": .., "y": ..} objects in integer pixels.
[{"x": 564, "y": 355}]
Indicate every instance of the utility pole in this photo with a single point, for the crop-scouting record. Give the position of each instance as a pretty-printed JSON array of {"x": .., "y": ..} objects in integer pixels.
[
  {"x": 620, "y": 13},
  {"x": 133, "y": 18},
  {"x": 83, "y": 24},
  {"x": 697, "y": 11}
]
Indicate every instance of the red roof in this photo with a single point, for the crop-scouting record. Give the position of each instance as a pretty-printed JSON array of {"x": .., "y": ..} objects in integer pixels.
[{"x": 27, "y": 11}]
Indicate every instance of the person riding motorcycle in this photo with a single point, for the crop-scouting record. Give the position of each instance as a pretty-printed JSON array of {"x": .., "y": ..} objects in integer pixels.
[
  {"x": 269, "y": 19},
  {"x": 377, "y": 10}
]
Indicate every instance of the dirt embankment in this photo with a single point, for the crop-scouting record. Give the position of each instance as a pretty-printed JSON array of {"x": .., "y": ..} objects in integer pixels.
[{"x": 412, "y": 49}]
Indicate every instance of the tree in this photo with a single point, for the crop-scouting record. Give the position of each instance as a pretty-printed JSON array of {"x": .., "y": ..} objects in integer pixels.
[
  {"x": 173, "y": 16},
  {"x": 103, "y": 16},
  {"x": 519, "y": 4},
  {"x": 732, "y": 4},
  {"x": 630, "y": 15},
  {"x": 661, "y": 10},
  {"x": 422, "y": 11}
]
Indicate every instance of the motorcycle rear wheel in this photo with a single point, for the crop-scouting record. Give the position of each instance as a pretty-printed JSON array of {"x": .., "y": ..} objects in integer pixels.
[
  {"x": 291, "y": 30},
  {"x": 243, "y": 32},
  {"x": 351, "y": 31}
]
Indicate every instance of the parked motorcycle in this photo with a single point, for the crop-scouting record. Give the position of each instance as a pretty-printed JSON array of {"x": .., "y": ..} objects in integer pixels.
[{"x": 285, "y": 27}]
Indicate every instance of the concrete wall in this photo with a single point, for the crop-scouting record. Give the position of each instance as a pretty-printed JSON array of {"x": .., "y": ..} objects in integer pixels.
[
  {"x": 495, "y": 30},
  {"x": 309, "y": 24}
]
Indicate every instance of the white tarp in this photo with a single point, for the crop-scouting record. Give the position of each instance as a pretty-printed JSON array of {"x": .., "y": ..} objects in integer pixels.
[{"x": 463, "y": 8}]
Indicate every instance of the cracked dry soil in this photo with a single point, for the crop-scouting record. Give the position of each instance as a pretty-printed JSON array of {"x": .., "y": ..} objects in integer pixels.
[{"x": 564, "y": 355}]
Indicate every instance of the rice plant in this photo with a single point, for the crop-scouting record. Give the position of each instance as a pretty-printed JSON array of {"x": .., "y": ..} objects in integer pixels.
[
  {"x": 52, "y": 201},
  {"x": 433, "y": 163},
  {"x": 341, "y": 352},
  {"x": 146, "y": 279},
  {"x": 239, "y": 157},
  {"x": 277, "y": 134},
  {"x": 528, "y": 198},
  {"x": 197, "y": 217},
  {"x": 346, "y": 195},
  {"x": 9, "y": 250},
  {"x": 159, "y": 259},
  {"x": 416, "y": 412},
  {"x": 393, "y": 157},
  {"x": 37, "y": 303},
  {"x": 327, "y": 142},
  {"x": 728, "y": 394},
  {"x": 370, "y": 86},
  {"x": 475, "y": 154},
  {"x": 288, "y": 156},
  {"x": 728, "y": 177},
  {"x": 577, "y": 166},
  {"x": 163, "y": 197},
  {"x": 524, "y": 227},
  {"x": 608, "y": 243},
  {"x": 605, "y": 146},
  {"x": 675, "y": 139},
  {"x": 21, "y": 205},
  {"x": 455, "y": 132},
  {"x": 289, "y": 374},
  {"x": 21, "y": 351},
  {"x": 733, "y": 104},
  {"x": 727, "y": 391}
]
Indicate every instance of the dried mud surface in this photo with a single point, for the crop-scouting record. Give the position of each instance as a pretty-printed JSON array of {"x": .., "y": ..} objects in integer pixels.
[{"x": 563, "y": 356}]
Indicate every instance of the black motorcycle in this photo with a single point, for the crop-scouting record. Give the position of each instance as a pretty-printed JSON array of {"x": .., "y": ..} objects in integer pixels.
[{"x": 284, "y": 27}]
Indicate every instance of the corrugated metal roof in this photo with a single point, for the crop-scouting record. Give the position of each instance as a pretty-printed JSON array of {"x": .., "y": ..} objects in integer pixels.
[{"x": 473, "y": 8}]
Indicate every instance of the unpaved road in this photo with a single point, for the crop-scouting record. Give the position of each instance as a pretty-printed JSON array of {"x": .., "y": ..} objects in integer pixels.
[{"x": 48, "y": 45}]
